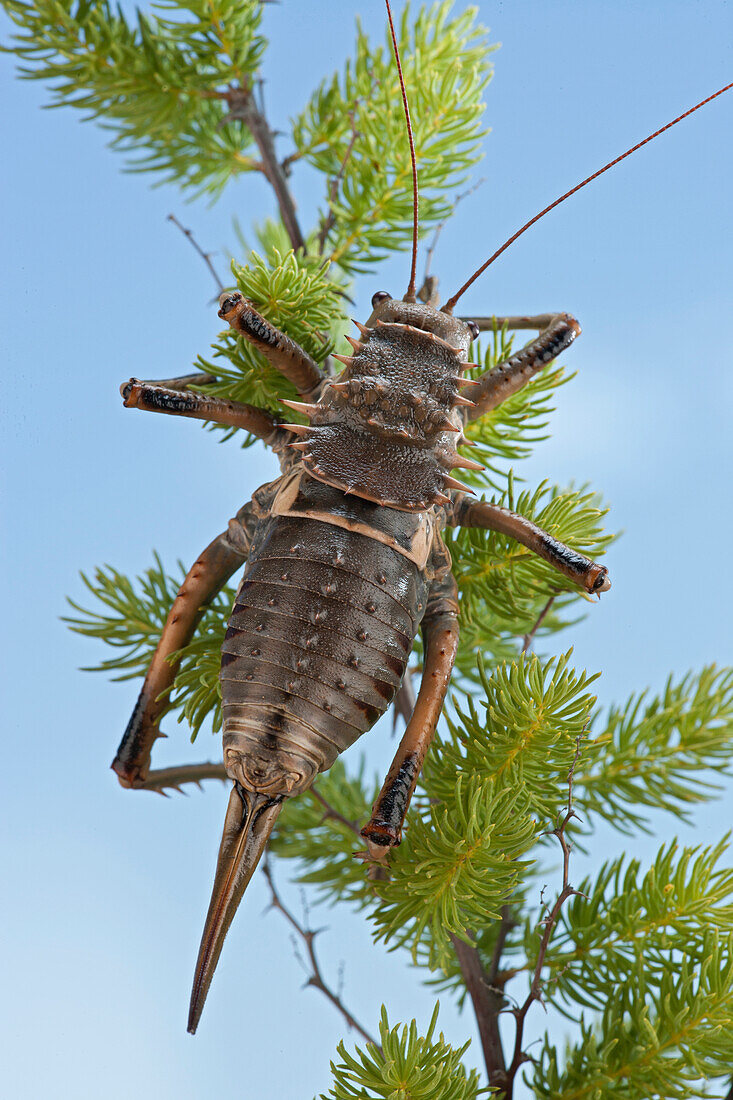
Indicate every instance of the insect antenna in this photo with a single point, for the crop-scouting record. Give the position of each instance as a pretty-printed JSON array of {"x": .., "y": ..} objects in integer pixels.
[
  {"x": 411, "y": 295},
  {"x": 448, "y": 307}
]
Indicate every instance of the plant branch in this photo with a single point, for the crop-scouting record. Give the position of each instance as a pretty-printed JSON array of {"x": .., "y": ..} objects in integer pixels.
[
  {"x": 333, "y": 187},
  {"x": 332, "y": 813},
  {"x": 505, "y": 927},
  {"x": 548, "y": 924},
  {"x": 315, "y": 978},
  {"x": 287, "y": 163},
  {"x": 242, "y": 106},
  {"x": 529, "y": 638},
  {"x": 205, "y": 256},
  {"x": 487, "y": 997},
  {"x": 488, "y": 1001},
  {"x": 441, "y": 226}
]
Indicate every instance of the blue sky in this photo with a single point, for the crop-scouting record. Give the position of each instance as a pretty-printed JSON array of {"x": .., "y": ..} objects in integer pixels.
[{"x": 108, "y": 888}]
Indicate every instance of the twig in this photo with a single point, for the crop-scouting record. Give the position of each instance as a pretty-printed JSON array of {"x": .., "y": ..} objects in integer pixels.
[
  {"x": 315, "y": 978},
  {"x": 334, "y": 814},
  {"x": 486, "y": 991},
  {"x": 529, "y": 638},
  {"x": 439, "y": 228},
  {"x": 287, "y": 163},
  {"x": 205, "y": 256},
  {"x": 548, "y": 925},
  {"x": 505, "y": 927},
  {"x": 333, "y": 187},
  {"x": 488, "y": 1001},
  {"x": 242, "y": 106}
]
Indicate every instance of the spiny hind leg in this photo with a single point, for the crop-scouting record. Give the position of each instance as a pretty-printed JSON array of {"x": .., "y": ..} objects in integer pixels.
[
  {"x": 584, "y": 572},
  {"x": 205, "y": 579},
  {"x": 440, "y": 633},
  {"x": 558, "y": 331}
]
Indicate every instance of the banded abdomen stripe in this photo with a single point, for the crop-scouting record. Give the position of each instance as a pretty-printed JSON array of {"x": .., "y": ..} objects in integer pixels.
[{"x": 320, "y": 634}]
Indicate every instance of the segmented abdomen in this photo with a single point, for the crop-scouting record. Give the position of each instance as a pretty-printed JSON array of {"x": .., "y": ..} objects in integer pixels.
[{"x": 319, "y": 638}]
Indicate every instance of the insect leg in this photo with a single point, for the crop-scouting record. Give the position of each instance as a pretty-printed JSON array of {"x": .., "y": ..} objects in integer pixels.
[
  {"x": 207, "y": 576},
  {"x": 279, "y": 350},
  {"x": 491, "y": 324},
  {"x": 588, "y": 574},
  {"x": 153, "y": 397},
  {"x": 184, "y": 382},
  {"x": 440, "y": 632},
  {"x": 558, "y": 332}
]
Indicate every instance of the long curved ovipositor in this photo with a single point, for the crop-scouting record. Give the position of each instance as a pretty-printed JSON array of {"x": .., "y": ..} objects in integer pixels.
[{"x": 249, "y": 821}]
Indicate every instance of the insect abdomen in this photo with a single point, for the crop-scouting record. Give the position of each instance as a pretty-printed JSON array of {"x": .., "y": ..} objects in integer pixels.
[{"x": 318, "y": 640}]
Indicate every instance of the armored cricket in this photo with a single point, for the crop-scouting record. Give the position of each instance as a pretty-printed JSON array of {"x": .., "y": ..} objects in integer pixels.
[{"x": 343, "y": 559}]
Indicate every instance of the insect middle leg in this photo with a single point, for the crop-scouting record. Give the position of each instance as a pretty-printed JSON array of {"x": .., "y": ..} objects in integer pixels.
[
  {"x": 557, "y": 333},
  {"x": 477, "y": 513},
  {"x": 205, "y": 579},
  {"x": 440, "y": 632}
]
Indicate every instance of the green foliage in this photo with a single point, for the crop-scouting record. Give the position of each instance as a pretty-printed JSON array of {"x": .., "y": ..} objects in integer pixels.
[
  {"x": 652, "y": 750},
  {"x": 409, "y": 1066},
  {"x": 157, "y": 84},
  {"x": 132, "y": 616},
  {"x": 459, "y": 862},
  {"x": 640, "y": 960},
  {"x": 488, "y": 789},
  {"x": 295, "y": 294},
  {"x": 130, "y": 620},
  {"x": 353, "y": 132},
  {"x": 656, "y": 1040},
  {"x": 625, "y": 921},
  {"x": 534, "y": 715}
]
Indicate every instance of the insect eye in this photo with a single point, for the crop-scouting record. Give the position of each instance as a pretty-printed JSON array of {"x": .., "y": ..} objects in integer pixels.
[
  {"x": 379, "y": 297},
  {"x": 473, "y": 329}
]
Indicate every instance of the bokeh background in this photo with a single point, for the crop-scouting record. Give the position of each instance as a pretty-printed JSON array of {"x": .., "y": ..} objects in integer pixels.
[{"x": 105, "y": 891}]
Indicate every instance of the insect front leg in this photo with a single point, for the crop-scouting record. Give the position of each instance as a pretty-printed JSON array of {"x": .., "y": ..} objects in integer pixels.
[
  {"x": 205, "y": 579},
  {"x": 180, "y": 401},
  {"x": 280, "y": 351},
  {"x": 557, "y": 333},
  {"x": 440, "y": 633},
  {"x": 476, "y": 513}
]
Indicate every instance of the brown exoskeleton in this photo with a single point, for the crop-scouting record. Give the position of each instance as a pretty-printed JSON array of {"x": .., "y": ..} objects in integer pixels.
[{"x": 344, "y": 562}]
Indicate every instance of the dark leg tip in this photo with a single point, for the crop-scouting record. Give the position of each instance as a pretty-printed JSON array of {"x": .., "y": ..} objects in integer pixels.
[
  {"x": 381, "y": 834},
  {"x": 128, "y": 777}
]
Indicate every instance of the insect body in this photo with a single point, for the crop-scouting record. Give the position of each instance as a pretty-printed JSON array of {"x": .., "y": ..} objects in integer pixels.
[{"x": 344, "y": 562}]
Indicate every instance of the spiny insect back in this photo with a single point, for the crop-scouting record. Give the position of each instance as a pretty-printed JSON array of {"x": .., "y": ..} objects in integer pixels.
[{"x": 386, "y": 429}]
